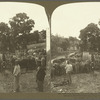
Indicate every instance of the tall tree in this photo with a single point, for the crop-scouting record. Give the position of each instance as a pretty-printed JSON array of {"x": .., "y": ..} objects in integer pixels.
[
  {"x": 5, "y": 37},
  {"x": 64, "y": 44},
  {"x": 43, "y": 34},
  {"x": 54, "y": 44},
  {"x": 90, "y": 38},
  {"x": 21, "y": 25},
  {"x": 33, "y": 37}
]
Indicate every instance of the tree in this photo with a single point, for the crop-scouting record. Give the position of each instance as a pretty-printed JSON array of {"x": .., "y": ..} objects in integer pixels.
[
  {"x": 33, "y": 37},
  {"x": 43, "y": 34},
  {"x": 58, "y": 41},
  {"x": 65, "y": 44},
  {"x": 36, "y": 36},
  {"x": 90, "y": 38},
  {"x": 5, "y": 37},
  {"x": 73, "y": 42},
  {"x": 54, "y": 44},
  {"x": 4, "y": 29},
  {"x": 21, "y": 25}
]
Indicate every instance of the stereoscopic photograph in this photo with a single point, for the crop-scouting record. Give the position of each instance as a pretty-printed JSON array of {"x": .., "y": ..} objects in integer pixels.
[
  {"x": 49, "y": 53},
  {"x": 24, "y": 31},
  {"x": 75, "y": 48}
]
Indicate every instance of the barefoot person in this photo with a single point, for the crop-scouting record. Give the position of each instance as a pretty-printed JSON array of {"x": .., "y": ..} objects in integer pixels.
[
  {"x": 68, "y": 69},
  {"x": 16, "y": 73}
]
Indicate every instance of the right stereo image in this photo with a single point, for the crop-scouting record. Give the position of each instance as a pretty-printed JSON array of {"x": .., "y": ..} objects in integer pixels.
[{"x": 75, "y": 48}]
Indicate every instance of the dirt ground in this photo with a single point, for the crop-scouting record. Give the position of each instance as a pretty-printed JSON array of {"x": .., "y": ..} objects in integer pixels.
[
  {"x": 27, "y": 83},
  {"x": 81, "y": 83}
]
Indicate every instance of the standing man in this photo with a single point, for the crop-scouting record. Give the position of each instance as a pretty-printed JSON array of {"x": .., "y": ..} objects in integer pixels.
[
  {"x": 40, "y": 78},
  {"x": 41, "y": 73},
  {"x": 68, "y": 69},
  {"x": 16, "y": 72}
]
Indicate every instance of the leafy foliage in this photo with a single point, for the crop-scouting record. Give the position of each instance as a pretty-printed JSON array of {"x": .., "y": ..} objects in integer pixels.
[
  {"x": 21, "y": 24},
  {"x": 18, "y": 34},
  {"x": 4, "y": 37},
  {"x": 43, "y": 34},
  {"x": 90, "y": 38},
  {"x": 64, "y": 43}
]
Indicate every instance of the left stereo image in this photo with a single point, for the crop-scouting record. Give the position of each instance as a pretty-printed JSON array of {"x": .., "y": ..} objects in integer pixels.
[{"x": 24, "y": 35}]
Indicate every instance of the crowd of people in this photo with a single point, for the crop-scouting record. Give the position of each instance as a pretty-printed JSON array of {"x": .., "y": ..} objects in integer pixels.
[
  {"x": 16, "y": 68},
  {"x": 73, "y": 66}
]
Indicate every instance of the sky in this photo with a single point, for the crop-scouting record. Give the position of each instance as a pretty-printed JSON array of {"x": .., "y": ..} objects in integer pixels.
[
  {"x": 36, "y": 12},
  {"x": 68, "y": 19}
]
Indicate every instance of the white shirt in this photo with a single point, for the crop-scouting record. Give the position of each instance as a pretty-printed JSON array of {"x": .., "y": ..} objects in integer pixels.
[
  {"x": 68, "y": 68},
  {"x": 16, "y": 70}
]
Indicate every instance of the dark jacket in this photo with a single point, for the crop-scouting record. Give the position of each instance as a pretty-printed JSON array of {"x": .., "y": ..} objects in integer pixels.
[{"x": 40, "y": 74}]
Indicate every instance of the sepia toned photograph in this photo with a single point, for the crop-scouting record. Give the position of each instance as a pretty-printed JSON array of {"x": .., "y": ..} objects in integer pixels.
[
  {"x": 75, "y": 48},
  {"x": 47, "y": 48},
  {"x": 24, "y": 33}
]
